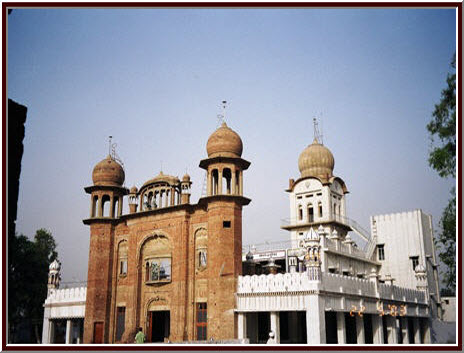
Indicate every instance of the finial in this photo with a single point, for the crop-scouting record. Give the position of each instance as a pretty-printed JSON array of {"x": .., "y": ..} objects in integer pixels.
[
  {"x": 109, "y": 144},
  {"x": 317, "y": 134},
  {"x": 222, "y": 117}
]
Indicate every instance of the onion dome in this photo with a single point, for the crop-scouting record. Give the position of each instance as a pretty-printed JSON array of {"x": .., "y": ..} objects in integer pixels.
[
  {"x": 224, "y": 142},
  {"x": 54, "y": 266},
  {"x": 108, "y": 172},
  {"x": 249, "y": 256},
  {"x": 420, "y": 269},
  {"x": 133, "y": 190},
  {"x": 186, "y": 178},
  {"x": 316, "y": 160}
]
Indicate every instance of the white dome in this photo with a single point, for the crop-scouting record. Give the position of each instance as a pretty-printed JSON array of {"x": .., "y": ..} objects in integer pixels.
[{"x": 55, "y": 265}]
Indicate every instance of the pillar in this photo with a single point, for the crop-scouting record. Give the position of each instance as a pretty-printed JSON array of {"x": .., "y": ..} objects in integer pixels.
[
  {"x": 242, "y": 327},
  {"x": 172, "y": 196},
  {"x": 240, "y": 177},
  {"x": 219, "y": 182},
  {"x": 111, "y": 206},
  {"x": 427, "y": 339},
  {"x": 315, "y": 320},
  {"x": 52, "y": 332},
  {"x": 404, "y": 330},
  {"x": 208, "y": 183},
  {"x": 417, "y": 338},
  {"x": 120, "y": 206},
  {"x": 68, "y": 331},
  {"x": 100, "y": 207},
  {"x": 275, "y": 325},
  {"x": 341, "y": 327},
  {"x": 392, "y": 327},
  {"x": 166, "y": 198},
  {"x": 360, "y": 334},
  {"x": 232, "y": 182},
  {"x": 46, "y": 328},
  {"x": 377, "y": 329}
]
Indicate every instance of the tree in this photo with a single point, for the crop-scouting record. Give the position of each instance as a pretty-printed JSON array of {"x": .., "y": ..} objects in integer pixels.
[
  {"x": 28, "y": 263},
  {"x": 442, "y": 158}
]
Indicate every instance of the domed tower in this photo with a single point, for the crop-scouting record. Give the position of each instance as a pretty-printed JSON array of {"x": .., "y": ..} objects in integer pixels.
[
  {"x": 224, "y": 202},
  {"x": 185, "y": 186},
  {"x": 54, "y": 276},
  {"x": 317, "y": 197},
  {"x": 106, "y": 205}
]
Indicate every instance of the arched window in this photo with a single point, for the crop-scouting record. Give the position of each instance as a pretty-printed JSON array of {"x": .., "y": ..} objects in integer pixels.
[
  {"x": 226, "y": 181},
  {"x": 214, "y": 181},
  {"x": 300, "y": 213},
  {"x": 237, "y": 182},
  {"x": 319, "y": 206},
  {"x": 94, "y": 206},
  {"x": 156, "y": 254},
  {"x": 115, "y": 207},
  {"x": 105, "y": 206},
  {"x": 310, "y": 213}
]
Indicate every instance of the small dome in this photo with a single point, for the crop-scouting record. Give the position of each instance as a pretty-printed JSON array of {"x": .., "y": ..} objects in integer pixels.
[
  {"x": 54, "y": 266},
  {"x": 224, "y": 142},
  {"x": 162, "y": 178},
  {"x": 108, "y": 172},
  {"x": 420, "y": 269},
  {"x": 249, "y": 256},
  {"x": 133, "y": 190},
  {"x": 316, "y": 160},
  {"x": 186, "y": 177}
]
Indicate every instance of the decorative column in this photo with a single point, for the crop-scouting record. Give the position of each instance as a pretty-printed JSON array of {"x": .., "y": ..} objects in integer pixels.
[
  {"x": 341, "y": 327},
  {"x": 232, "y": 181},
  {"x": 240, "y": 177},
  {"x": 404, "y": 330},
  {"x": 275, "y": 325},
  {"x": 242, "y": 328},
  {"x": 360, "y": 334},
  {"x": 377, "y": 329},
  {"x": 219, "y": 182},
  {"x": 100, "y": 206},
  {"x": 68, "y": 331},
  {"x": 426, "y": 323},
  {"x": 120, "y": 207},
  {"x": 315, "y": 320},
  {"x": 324, "y": 260},
  {"x": 112, "y": 206},
  {"x": 209, "y": 185},
  {"x": 417, "y": 337}
]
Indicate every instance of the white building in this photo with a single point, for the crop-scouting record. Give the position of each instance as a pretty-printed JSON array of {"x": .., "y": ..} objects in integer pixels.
[
  {"x": 64, "y": 311},
  {"x": 323, "y": 288}
]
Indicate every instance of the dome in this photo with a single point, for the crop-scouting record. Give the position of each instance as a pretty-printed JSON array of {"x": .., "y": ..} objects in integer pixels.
[
  {"x": 224, "y": 142},
  {"x": 249, "y": 256},
  {"x": 186, "y": 177},
  {"x": 160, "y": 178},
  {"x": 316, "y": 160},
  {"x": 54, "y": 266},
  {"x": 108, "y": 172},
  {"x": 133, "y": 190}
]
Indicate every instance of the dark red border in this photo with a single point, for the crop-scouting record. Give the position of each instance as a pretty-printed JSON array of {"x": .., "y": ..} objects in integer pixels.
[{"x": 6, "y": 5}]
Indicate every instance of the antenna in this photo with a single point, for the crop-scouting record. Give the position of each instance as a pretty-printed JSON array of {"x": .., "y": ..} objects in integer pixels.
[
  {"x": 317, "y": 134},
  {"x": 222, "y": 117},
  {"x": 109, "y": 144}
]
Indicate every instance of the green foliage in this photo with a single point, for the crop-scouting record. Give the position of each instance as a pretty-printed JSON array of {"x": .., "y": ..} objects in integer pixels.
[
  {"x": 442, "y": 158},
  {"x": 443, "y": 125},
  {"x": 28, "y": 263}
]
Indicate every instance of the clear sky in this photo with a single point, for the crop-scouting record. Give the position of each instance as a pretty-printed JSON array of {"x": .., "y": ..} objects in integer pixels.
[{"x": 155, "y": 78}]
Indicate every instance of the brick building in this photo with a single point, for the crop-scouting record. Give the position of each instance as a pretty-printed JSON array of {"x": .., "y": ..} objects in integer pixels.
[{"x": 168, "y": 266}]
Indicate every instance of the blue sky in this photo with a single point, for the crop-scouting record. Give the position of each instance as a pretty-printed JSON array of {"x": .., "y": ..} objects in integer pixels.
[{"x": 154, "y": 79}]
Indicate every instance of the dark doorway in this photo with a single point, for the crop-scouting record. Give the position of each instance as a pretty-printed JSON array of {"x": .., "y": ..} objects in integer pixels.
[
  {"x": 59, "y": 333},
  {"x": 350, "y": 323},
  {"x": 368, "y": 334},
  {"x": 264, "y": 326},
  {"x": 331, "y": 327},
  {"x": 411, "y": 330},
  {"x": 160, "y": 323},
  {"x": 385, "y": 328}
]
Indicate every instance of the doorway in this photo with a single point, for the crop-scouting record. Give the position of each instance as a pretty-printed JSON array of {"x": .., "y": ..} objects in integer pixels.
[{"x": 159, "y": 326}]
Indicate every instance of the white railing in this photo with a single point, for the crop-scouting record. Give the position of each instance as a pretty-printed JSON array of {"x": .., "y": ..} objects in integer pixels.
[
  {"x": 267, "y": 246},
  {"x": 67, "y": 295},
  {"x": 332, "y": 283}
]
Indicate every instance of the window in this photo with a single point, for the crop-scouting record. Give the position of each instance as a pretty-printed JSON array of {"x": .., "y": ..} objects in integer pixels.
[
  {"x": 381, "y": 252},
  {"x": 120, "y": 321},
  {"x": 300, "y": 213},
  {"x": 123, "y": 267},
  {"x": 415, "y": 261},
  {"x": 158, "y": 270},
  {"x": 202, "y": 258},
  {"x": 202, "y": 321},
  {"x": 226, "y": 224},
  {"x": 310, "y": 213},
  {"x": 320, "y": 209},
  {"x": 299, "y": 197},
  {"x": 332, "y": 270}
]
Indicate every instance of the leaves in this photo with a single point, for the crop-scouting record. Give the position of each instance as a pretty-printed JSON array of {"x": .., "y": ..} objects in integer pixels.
[{"x": 442, "y": 158}]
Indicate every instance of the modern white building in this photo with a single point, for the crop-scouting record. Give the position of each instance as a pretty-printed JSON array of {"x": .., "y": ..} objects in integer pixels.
[
  {"x": 64, "y": 311},
  {"x": 404, "y": 241}
]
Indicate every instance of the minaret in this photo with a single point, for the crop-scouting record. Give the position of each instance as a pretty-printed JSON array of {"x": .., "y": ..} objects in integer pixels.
[
  {"x": 107, "y": 194},
  {"x": 54, "y": 276},
  {"x": 224, "y": 202},
  {"x": 185, "y": 187}
]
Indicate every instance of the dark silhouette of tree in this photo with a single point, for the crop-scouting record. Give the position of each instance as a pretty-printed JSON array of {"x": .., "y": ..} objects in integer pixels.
[
  {"x": 442, "y": 158},
  {"x": 28, "y": 263}
]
